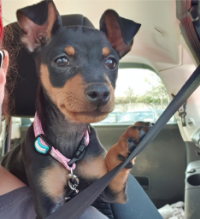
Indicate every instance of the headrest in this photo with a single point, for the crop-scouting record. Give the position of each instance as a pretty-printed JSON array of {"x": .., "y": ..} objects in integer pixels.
[{"x": 22, "y": 77}]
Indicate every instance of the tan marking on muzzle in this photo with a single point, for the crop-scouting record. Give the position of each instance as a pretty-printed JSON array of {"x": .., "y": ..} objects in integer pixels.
[
  {"x": 72, "y": 101},
  {"x": 70, "y": 50},
  {"x": 106, "y": 51}
]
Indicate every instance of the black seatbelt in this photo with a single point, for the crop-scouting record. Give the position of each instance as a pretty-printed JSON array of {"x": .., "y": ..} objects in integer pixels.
[{"x": 77, "y": 206}]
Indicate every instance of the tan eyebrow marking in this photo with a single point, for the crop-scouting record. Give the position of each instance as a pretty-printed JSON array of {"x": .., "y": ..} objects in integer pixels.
[
  {"x": 106, "y": 51},
  {"x": 70, "y": 50}
]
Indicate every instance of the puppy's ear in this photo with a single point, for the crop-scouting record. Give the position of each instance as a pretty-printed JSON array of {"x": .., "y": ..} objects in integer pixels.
[
  {"x": 38, "y": 23},
  {"x": 120, "y": 31}
]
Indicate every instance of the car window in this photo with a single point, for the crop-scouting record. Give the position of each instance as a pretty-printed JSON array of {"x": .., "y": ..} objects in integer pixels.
[
  {"x": 137, "y": 116},
  {"x": 140, "y": 95}
]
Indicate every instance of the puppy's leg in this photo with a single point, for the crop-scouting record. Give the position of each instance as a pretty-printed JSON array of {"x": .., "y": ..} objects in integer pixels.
[
  {"x": 118, "y": 154},
  {"x": 49, "y": 187}
]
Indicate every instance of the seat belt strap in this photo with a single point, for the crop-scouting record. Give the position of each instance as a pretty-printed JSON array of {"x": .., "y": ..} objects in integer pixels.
[{"x": 77, "y": 206}]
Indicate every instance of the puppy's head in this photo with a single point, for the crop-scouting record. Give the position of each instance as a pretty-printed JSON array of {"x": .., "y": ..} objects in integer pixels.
[{"x": 77, "y": 66}]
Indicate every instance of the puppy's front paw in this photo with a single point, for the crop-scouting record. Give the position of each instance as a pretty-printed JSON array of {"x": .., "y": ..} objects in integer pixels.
[
  {"x": 118, "y": 154},
  {"x": 131, "y": 145},
  {"x": 126, "y": 144},
  {"x": 130, "y": 139}
]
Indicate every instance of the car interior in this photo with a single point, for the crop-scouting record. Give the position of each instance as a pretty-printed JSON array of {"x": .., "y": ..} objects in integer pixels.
[{"x": 166, "y": 51}]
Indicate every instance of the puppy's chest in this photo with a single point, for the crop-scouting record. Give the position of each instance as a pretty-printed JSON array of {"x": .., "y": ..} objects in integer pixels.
[
  {"x": 92, "y": 165},
  {"x": 87, "y": 171}
]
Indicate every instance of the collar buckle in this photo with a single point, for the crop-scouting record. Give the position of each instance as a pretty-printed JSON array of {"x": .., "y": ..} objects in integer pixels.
[{"x": 79, "y": 152}]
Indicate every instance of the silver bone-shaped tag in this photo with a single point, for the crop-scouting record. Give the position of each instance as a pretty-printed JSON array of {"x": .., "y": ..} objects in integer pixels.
[{"x": 73, "y": 181}]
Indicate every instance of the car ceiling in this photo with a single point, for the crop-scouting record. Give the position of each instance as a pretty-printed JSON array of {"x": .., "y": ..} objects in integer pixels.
[{"x": 159, "y": 42}]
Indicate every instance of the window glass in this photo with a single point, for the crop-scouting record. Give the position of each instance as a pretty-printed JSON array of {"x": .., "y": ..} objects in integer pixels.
[{"x": 140, "y": 95}]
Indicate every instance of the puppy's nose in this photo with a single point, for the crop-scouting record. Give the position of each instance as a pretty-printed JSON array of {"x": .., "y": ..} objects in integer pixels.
[{"x": 98, "y": 94}]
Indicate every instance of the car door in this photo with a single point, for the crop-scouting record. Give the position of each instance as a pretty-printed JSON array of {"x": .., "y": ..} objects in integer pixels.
[{"x": 160, "y": 168}]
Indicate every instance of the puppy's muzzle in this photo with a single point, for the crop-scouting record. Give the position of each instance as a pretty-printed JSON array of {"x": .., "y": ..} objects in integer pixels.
[{"x": 98, "y": 94}]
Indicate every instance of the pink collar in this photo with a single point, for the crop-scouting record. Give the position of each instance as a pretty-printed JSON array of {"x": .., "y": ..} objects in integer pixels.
[{"x": 42, "y": 145}]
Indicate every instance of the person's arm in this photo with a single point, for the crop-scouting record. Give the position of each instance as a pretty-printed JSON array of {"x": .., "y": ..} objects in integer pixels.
[{"x": 8, "y": 182}]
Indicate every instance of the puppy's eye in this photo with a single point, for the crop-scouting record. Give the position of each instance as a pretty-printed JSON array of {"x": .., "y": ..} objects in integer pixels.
[
  {"x": 111, "y": 63},
  {"x": 61, "y": 61}
]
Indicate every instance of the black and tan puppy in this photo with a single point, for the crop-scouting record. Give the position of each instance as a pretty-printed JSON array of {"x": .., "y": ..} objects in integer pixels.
[{"x": 77, "y": 69}]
